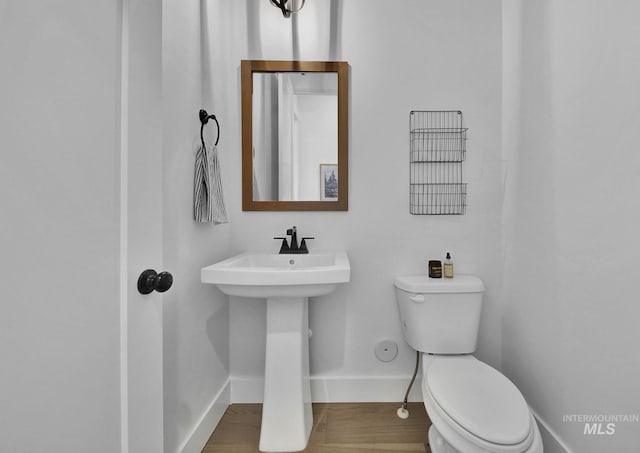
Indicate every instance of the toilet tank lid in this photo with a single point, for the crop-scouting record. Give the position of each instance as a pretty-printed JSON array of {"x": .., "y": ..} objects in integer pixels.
[{"x": 425, "y": 284}]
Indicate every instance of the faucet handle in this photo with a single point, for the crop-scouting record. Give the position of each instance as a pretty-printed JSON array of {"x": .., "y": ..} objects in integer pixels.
[
  {"x": 303, "y": 245},
  {"x": 293, "y": 246},
  {"x": 284, "y": 247}
]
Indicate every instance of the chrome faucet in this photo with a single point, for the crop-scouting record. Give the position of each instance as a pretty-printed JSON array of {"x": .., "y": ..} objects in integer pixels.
[{"x": 293, "y": 247}]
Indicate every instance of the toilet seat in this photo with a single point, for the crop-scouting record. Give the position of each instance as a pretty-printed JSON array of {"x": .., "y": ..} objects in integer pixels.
[
  {"x": 480, "y": 399},
  {"x": 475, "y": 407}
]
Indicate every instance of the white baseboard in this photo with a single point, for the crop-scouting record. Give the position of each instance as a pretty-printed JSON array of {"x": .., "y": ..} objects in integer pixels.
[
  {"x": 550, "y": 439},
  {"x": 330, "y": 389},
  {"x": 196, "y": 441}
]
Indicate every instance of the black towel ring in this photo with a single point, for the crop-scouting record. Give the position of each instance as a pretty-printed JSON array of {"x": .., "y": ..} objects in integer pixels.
[{"x": 204, "y": 119}]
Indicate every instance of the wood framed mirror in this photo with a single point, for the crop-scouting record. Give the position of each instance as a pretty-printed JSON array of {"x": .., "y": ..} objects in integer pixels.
[{"x": 294, "y": 135}]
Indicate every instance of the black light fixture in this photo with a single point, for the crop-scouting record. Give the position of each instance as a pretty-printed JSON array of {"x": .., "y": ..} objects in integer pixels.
[{"x": 293, "y": 7}]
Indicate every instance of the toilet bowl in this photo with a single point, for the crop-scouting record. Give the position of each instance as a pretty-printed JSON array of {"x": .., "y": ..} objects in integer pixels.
[
  {"x": 475, "y": 409},
  {"x": 472, "y": 406}
]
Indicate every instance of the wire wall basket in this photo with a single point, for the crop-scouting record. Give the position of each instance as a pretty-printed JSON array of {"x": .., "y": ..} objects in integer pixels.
[{"x": 437, "y": 150}]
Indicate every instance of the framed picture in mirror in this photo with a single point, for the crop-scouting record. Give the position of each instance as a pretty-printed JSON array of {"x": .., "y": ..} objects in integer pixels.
[{"x": 329, "y": 182}]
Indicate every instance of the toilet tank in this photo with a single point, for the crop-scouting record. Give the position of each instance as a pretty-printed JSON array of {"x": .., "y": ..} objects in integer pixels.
[{"x": 440, "y": 315}]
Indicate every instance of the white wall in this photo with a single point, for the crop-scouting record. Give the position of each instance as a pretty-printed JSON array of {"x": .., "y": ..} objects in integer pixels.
[
  {"x": 318, "y": 140},
  {"x": 59, "y": 236},
  {"x": 570, "y": 333},
  {"x": 196, "y": 316},
  {"x": 425, "y": 55}
]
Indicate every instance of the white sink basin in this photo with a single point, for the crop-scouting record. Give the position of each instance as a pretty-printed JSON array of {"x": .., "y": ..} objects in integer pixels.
[
  {"x": 267, "y": 275},
  {"x": 286, "y": 282}
]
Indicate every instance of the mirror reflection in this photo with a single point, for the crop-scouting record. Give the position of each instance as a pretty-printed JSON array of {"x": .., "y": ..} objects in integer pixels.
[{"x": 295, "y": 136}]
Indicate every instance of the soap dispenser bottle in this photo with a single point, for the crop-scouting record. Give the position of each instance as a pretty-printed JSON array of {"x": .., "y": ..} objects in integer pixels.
[{"x": 448, "y": 266}]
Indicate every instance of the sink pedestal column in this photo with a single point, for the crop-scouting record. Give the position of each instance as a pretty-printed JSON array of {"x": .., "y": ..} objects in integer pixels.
[{"x": 286, "y": 413}]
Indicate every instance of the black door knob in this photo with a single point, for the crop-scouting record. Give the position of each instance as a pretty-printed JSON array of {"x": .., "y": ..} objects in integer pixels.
[{"x": 150, "y": 280}]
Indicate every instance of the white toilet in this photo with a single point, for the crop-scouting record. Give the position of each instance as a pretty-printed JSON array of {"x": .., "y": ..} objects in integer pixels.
[{"x": 473, "y": 407}]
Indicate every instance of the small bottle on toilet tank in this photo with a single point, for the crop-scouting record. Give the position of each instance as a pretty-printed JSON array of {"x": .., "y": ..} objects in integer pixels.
[{"x": 447, "y": 266}]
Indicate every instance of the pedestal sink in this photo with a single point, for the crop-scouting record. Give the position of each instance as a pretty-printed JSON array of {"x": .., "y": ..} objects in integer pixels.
[{"x": 286, "y": 282}]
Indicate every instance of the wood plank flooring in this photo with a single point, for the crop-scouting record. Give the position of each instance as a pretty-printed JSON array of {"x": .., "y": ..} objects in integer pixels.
[{"x": 337, "y": 428}]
